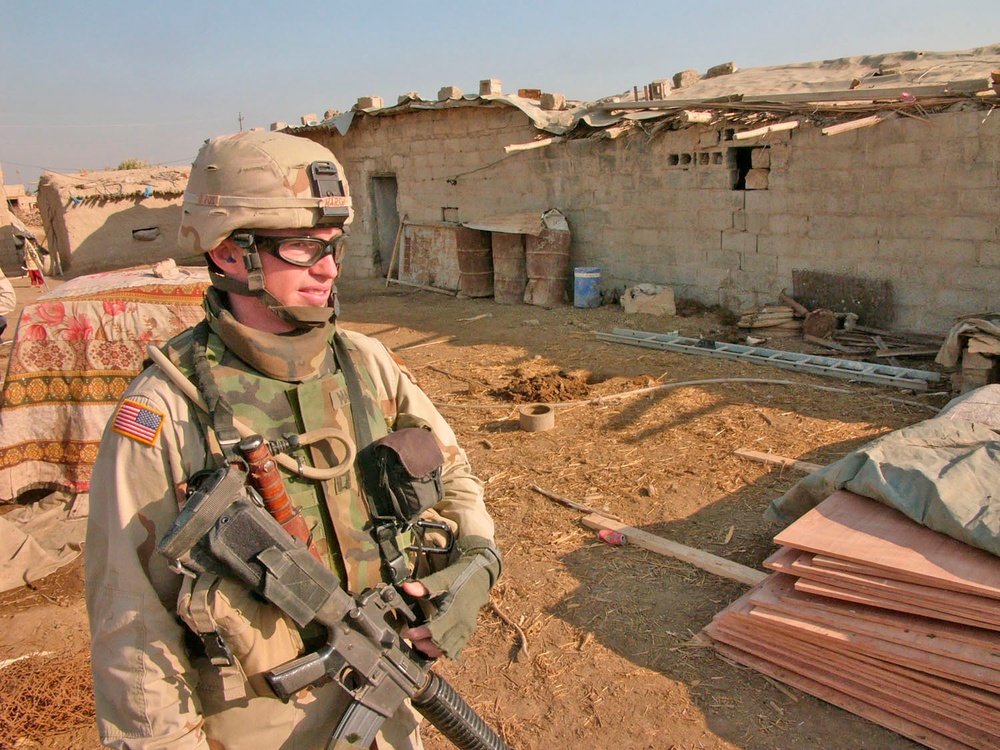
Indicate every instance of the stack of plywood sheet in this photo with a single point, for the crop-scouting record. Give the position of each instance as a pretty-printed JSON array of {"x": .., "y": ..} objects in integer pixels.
[{"x": 879, "y": 615}]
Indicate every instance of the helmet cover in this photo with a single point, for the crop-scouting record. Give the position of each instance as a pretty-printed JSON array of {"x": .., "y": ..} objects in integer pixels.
[{"x": 261, "y": 180}]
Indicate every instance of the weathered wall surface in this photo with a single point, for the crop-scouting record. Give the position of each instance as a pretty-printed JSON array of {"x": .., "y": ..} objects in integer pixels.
[
  {"x": 106, "y": 220},
  {"x": 426, "y": 153},
  {"x": 102, "y": 235},
  {"x": 912, "y": 202}
]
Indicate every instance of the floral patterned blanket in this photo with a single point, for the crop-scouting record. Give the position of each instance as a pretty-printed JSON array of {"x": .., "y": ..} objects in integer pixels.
[{"x": 74, "y": 353}]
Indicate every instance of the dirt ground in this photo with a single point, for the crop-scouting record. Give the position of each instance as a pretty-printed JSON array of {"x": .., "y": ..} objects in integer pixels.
[{"x": 606, "y": 659}]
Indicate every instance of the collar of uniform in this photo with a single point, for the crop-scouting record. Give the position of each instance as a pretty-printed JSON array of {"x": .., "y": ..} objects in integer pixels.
[{"x": 293, "y": 357}]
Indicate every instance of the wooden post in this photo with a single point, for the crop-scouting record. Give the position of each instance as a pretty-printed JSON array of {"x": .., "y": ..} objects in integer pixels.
[
  {"x": 720, "y": 566},
  {"x": 395, "y": 248}
]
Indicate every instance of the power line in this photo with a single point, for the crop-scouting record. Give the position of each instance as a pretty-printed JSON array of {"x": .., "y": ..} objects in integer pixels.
[
  {"x": 64, "y": 170},
  {"x": 77, "y": 126}
]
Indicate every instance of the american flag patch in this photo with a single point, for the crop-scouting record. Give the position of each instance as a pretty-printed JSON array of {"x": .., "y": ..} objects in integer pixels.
[{"x": 138, "y": 422}]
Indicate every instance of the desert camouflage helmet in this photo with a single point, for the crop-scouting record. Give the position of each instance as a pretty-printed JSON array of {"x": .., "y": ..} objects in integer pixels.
[{"x": 261, "y": 180}]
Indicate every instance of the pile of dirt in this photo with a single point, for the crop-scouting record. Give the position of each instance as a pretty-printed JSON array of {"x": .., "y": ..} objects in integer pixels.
[{"x": 547, "y": 387}]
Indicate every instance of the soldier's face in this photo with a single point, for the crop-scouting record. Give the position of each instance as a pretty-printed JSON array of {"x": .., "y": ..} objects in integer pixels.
[{"x": 296, "y": 286}]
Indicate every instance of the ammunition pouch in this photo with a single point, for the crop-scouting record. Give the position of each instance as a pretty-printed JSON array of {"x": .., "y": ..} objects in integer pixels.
[
  {"x": 402, "y": 473},
  {"x": 408, "y": 473}
]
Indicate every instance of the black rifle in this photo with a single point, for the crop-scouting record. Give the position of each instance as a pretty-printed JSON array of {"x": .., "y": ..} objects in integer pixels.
[{"x": 224, "y": 528}]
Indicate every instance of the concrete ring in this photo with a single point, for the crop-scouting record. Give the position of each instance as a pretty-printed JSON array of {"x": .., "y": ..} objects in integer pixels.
[{"x": 537, "y": 417}]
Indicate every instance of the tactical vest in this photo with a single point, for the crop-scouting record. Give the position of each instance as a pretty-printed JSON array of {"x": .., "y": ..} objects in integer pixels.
[{"x": 334, "y": 510}]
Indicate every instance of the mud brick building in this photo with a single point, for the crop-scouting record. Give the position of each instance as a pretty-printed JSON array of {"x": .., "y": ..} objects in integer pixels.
[{"x": 865, "y": 184}]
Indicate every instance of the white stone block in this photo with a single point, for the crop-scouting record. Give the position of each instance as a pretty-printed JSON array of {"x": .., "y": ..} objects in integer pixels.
[
  {"x": 553, "y": 101},
  {"x": 652, "y": 299},
  {"x": 686, "y": 78},
  {"x": 490, "y": 87}
]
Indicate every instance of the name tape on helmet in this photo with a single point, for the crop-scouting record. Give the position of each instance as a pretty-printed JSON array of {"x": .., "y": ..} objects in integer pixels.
[{"x": 208, "y": 199}]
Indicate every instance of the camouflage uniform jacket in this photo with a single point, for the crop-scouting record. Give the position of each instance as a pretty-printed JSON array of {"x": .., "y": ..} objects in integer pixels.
[{"x": 149, "y": 692}]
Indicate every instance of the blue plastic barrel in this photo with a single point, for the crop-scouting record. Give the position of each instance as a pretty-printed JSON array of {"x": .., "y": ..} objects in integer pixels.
[{"x": 587, "y": 287}]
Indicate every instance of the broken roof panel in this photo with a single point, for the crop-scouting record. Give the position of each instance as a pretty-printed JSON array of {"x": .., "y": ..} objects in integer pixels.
[
  {"x": 532, "y": 222},
  {"x": 551, "y": 121},
  {"x": 847, "y": 73},
  {"x": 867, "y": 79}
]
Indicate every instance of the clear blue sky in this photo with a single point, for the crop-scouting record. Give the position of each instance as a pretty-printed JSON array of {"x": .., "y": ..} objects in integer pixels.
[{"x": 87, "y": 84}]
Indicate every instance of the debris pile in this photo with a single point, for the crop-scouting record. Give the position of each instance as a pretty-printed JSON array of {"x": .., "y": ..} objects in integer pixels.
[{"x": 974, "y": 344}]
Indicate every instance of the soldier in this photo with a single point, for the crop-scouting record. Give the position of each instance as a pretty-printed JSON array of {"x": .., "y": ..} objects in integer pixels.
[{"x": 269, "y": 211}]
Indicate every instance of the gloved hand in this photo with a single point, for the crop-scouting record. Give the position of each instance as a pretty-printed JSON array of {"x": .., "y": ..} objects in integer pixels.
[{"x": 452, "y": 597}]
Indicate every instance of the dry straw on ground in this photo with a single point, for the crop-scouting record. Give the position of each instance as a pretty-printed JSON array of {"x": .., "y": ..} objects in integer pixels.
[{"x": 43, "y": 695}]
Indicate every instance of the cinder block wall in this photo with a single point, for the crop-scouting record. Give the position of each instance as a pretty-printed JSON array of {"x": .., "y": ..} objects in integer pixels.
[
  {"x": 916, "y": 203},
  {"x": 449, "y": 165}
]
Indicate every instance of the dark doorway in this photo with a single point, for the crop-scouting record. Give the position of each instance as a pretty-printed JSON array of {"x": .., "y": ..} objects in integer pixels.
[
  {"x": 743, "y": 163},
  {"x": 386, "y": 225}
]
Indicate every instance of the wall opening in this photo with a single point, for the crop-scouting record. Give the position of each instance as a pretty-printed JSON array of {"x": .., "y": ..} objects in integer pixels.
[
  {"x": 145, "y": 234},
  {"x": 742, "y": 164},
  {"x": 386, "y": 220}
]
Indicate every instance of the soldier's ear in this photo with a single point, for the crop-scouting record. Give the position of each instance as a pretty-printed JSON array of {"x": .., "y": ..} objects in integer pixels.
[{"x": 226, "y": 255}]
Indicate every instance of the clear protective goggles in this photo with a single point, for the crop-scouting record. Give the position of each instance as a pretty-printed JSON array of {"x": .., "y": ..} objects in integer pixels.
[{"x": 302, "y": 251}]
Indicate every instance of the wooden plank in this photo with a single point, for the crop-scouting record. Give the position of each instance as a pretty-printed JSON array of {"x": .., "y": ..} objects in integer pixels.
[
  {"x": 968, "y": 632},
  {"x": 957, "y": 601},
  {"x": 859, "y": 529},
  {"x": 835, "y": 563},
  {"x": 540, "y": 143},
  {"x": 780, "y": 597},
  {"x": 766, "y": 130},
  {"x": 954, "y": 88},
  {"x": 942, "y": 666},
  {"x": 395, "y": 248},
  {"x": 770, "y": 458},
  {"x": 912, "y": 351},
  {"x": 423, "y": 287},
  {"x": 844, "y": 127},
  {"x": 704, "y": 560},
  {"x": 795, "y": 562},
  {"x": 894, "y": 694},
  {"x": 874, "y": 600},
  {"x": 834, "y": 345},
  {"x": 720, "y": 630},
  {"x": 692, "y": 116},
  {"x": 970, "y": 86},
  {"x": 962, "y": 697},
  {"x": 874, "y": 689},
  {"x": 941, "y": 685},
  {"x": 816, "y": 583},
  {"x": 987, "y": 698}
]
